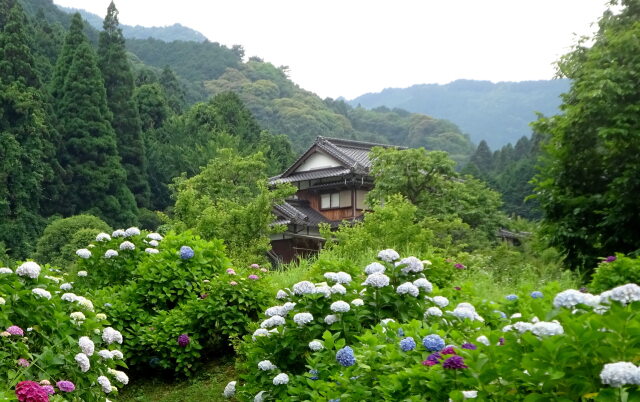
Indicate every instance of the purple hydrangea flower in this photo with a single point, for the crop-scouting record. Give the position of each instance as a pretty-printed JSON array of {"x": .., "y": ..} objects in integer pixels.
[
  {"x": 407, "y": 344},
  {"x": 254, "y": 277},
  {"x": 231, "y": 271},
  {"x": 433, "y": 342},
  {"x": 183, "y": 340},
  {"x": 469, "y": 346},
  {"x": 314, "y": 374},
  {"x": 23, "y": 362},
  {"x": 15, "y": 330},
  {"x": 186, "y": 252},
  {"x": 255, "y": 266},
  {"x": 448, "y": 351},
  {"x": 537, "y": 294},
  {"x": 345, "y": 357},
  {"x": 432, "y": 359},
  {"x": 459, "y": 266},
  {"x": 66, "y": 386},
  {"x": 610, "y": 258},
  {"x": 49, "y": 389},
  {"x": 454, "y": 363}
]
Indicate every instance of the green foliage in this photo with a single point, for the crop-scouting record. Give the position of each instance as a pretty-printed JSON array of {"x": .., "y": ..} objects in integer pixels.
[
  {"x": 52, "y": 246},
  {"x": 51, "y": 336},
  {"x": 118, "y": 81},
  {"x": 152, "y": 105},
  {"x": 229, "y": 199},
  {"x": 428, "y": 180},
  {"x": 589, "y": 171},
  {"x": 609, "y": 274}
]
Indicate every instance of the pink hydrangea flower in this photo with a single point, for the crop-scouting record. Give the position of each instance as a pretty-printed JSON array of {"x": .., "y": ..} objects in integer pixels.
[
  {"x": 230, "y": 271},
  {"x": 15, "y": 330},
  {"x": 234, "y": 283},
  {"x": 254, "y": 277},
  {"x": 255, "y": 266}
]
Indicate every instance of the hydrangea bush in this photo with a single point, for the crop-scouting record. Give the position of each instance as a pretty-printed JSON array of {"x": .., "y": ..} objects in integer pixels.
[
  {"x": 54, "y": 343},
  {"x": 536, "y": 346}
]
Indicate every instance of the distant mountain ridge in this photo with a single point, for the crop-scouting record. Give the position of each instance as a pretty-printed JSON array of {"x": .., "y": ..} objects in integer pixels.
[
  {"x": 167, "y": 34},
  {"x": 498, "y": 113}
]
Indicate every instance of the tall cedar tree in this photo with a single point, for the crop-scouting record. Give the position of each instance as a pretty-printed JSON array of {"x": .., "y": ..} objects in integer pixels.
[
  {"x": 95, "y": 180},
  {"x": 589, "y": 181},
  {"x": 118, "y": 79},
  {"x": 25, "y": 150}
]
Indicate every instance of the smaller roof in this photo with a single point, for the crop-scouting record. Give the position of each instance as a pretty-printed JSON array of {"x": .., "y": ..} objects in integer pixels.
[
  {"x": 311, "y": 174},
  {"x": 299, "y": 212}
]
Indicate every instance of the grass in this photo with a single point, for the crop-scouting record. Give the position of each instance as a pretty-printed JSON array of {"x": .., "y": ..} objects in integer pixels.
[{"x": 204, "y": 387}]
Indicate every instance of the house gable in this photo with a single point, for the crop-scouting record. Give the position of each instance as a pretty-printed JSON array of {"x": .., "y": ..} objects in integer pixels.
[{"x": 318, "y": 160}]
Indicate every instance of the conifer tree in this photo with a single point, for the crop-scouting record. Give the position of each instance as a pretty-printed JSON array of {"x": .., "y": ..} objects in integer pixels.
[
  {"x": 175, "y": 92},
  {"x": 95, "y": 180},
  {"x": 74, "y": 38},
  {"x": 112, "y": 60},
  {"x": 24, "y": 136}
]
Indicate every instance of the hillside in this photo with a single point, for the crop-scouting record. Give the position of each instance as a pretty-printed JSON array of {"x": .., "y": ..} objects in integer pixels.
[
  {"x": 166, "y": 34},
  {"x": 498, "y": 113}
]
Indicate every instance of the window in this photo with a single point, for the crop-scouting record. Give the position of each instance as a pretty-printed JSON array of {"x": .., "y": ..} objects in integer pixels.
[
  {"x": 341, "y": 199},
  {"x": 361, "y": 196}
]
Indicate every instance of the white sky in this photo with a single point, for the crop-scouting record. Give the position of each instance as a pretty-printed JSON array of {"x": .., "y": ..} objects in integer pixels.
[{"x": 350, "y": 47}]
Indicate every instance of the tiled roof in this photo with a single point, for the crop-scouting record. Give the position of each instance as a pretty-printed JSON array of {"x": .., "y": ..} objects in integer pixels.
[
  {"x": 299, "y": 212},
  {"x": 310, "y": 175}
]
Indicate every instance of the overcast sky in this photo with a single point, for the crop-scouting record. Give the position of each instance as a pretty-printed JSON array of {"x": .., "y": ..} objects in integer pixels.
[{"x": 351, "y": 47}]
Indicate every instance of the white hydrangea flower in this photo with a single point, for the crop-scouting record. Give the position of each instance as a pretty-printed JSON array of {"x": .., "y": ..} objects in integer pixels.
[
  {"x": 83, "y": 253},
  {"x": 118, "y": 233},
  {"x": 230, "y": 389},
  {"x": 120, "y": 376},
  {"x": 340, "y": 307},
  {"x": 423, "y": 283},
  {"x": 86, "y": 345},
  {"x": 386, "y": 321},
  {"x": 316, "y": 346},
  {"x": 273, "y": 321},
  {"x": 132, "y": 231},
  {"x": 338, "y": 289},
  {"x": 105, "y": 384},
  {"x": 507, "y": 328},
  {"x": 483, "y": 340},
  {"x": 260, "y": 332},
  {"x": 150, "y": 250},
  {"x": 117, "y": 354},
  {"x": 66, "y": 286},
  {"x": 304, "y": 288},
  {"x": 377, "y": 280},
  {"x": 440, "y": 301},
  {"x": 466, "y": 310},
  {"x": 82, "y": 273},
  {"x": 70, "y": 297},
  {"x": 53, "y": 278},
  {"x": 30, "y": 269},
  {"x": 620, "y": 374},
  {"x": 433, "y": 312},
  {"x": 408, "y": 288},
  {"x": 155, "y": 236},
  {"x": 289, "y": 306},
  {"x": 259, "y": 396},
  {"x": 110, "y": 335},
  {"x": 110, "y": 253},
  {"x": 624, "y": 294},
  {"x": 275, "y": 310},
  {"x": 105, "y": 354},
  {"x": 281, "y": 295},
  {"x": 343, "y": 278},
  {"x": 324, "y": 290},
  {"x": 101, "y": 316},
  {"x": 331, "y": 276},
  {"x": 357, "y": 302},
  {"x": 522, "y": 326},
  {"x": 281, "y": 379},
  {"x": 103, "y": 237},
  {"x": 469, "y": 394},
  {"x": 516, "y": 315},
  {"x": 154, "y": 243},
  {"x": 330, "y": 319},
  {"x": 374, "y": 268},
  {"x": 5, "y": 270},
  {"x": 83, "y": 362},
  {"x": 302, "y": 318},
  {"x": 544, "y": 328},
  {"x": 41, "y": 293},
  {"x": 570, "y": 298},
  {"x": 411, "y": 264},
  {"x": 266, "y": 365},
  {"x": 84, "y": 302},
  {"x": 127, "y": 245},
  {"x": 388, "y": 255},
  {"x": 2, "y": 301}
]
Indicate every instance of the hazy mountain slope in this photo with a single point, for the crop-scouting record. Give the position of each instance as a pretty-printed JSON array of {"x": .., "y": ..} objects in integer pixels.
[
  {"x": 498, "y": 113},
  {"x": 166, "y": 34}
]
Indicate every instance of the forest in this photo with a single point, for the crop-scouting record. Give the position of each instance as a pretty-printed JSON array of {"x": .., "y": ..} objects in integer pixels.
[{"x": 136, "y": 218}]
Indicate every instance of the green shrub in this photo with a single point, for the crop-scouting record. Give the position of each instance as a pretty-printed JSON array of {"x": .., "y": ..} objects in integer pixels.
[
  {"x": 615, "y": 271},
  {"x": 149, "y": 220},
  {"x": 58, "y": 234},
  {"x": 52, "y": 323}
]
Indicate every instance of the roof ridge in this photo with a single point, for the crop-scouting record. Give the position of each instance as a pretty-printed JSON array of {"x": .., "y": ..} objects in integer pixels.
[{"x": 358, "y": 143}]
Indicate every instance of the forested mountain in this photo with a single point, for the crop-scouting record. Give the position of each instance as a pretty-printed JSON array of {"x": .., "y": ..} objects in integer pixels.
[
  {"x": 166, "y": 34},
  {"x": 498, "y": 113}
]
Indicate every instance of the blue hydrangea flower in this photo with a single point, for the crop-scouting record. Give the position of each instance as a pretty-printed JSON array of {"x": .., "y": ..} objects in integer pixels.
[
  {"x": 334, "y": 400},
  {"x": 400, "y": 332},
  {"x": 433, "y": 342},
  {"x": 536, "y": 294},
  {"x": 314, "y": 374},
  {"x": 502, "y": 314},
  {"x": 511, "y": 297},
  {"x": 407, "y": 344},
  {"x": 186, "y": 252},
  {"x": 345, "y": 357}
]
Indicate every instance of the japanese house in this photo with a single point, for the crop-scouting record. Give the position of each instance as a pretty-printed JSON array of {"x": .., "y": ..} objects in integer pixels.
[{"x": 333, "y": 179}]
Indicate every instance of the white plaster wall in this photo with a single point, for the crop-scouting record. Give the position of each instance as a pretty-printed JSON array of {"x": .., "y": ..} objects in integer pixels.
[{"x": 317, "y": 160}]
